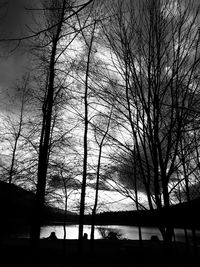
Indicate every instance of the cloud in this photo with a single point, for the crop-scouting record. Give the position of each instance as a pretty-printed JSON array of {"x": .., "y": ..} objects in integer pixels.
[
  {"x": 102, "y": 186},
  {"x": 15, "y": 17},
  {"x": 15, "y": 22}
]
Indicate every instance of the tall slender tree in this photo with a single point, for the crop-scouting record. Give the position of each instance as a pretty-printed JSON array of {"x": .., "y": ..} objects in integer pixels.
[
  {"x": 86, "y": 121},
  {"x": 98, "y": 172},
  {"x": 58, "y": 10},
  {"x": 57, "y": 17}
]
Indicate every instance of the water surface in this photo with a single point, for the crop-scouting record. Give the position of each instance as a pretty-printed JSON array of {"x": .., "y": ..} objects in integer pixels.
[
  {"x": 128, "y": 232},
  {"x": 125, "y": 231}
]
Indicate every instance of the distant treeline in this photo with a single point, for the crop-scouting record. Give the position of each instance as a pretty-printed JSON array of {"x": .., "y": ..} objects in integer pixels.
[
  {"x": 17, "y": 206},
  {"x": 184, "y": 215},
  {"x": 180, "y": 215}
]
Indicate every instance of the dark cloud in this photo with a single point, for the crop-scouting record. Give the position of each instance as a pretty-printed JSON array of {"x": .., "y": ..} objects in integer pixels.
[
  {"x": 102, "y": 186},
  {"x": 12, "y": 70},
  {"x": 15, "y": 17},
  {"x": 15, "y": 22},
  {"x": 12, "y": 18}
]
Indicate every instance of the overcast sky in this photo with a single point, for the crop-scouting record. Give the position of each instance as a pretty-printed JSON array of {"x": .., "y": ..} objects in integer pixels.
[{"x": 13, "y": 62}]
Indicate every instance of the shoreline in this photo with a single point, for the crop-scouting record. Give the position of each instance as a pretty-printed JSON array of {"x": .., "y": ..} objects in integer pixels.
[
  {"x": 60, "y": 223},
  {"x": 118, "y": 253}
]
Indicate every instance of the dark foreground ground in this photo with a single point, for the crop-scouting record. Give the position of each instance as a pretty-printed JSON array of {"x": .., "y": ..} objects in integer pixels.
[{"x": 106, "y": 253}]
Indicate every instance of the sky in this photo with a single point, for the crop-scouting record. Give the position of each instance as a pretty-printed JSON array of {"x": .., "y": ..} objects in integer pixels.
[
  {"x": 14, "y": 24},
  {"x": 13, "y": 56},
  {"x": 14, "y": 63}
]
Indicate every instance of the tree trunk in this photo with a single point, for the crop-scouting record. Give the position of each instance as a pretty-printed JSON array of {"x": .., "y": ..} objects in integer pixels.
[
  {"x": 83, "y": 187},
  {"x": 45, "y": 140},
  {"x": 64, "y": 223}
]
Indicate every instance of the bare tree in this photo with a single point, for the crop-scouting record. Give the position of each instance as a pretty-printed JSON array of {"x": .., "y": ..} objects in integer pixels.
[
  {"x": 100, "y": 143},
  {"x": 156, "y": 54},
  {"x": 63, "y": 179},
  {"x": 85, "y": 157},
  {"x": 14, "y": 120},
  {"x": 57, "y": 15},
  {"x": 57, "y": 11}
]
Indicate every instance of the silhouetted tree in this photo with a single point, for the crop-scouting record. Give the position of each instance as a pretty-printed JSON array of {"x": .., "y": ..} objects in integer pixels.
[
  {"x": 156, "y": 53},
  {"x": 100, "y": 143},
  {"x": 14, "y": 120},
  {"x": 55, "y": 14},
  {"x": 63, "y": 178},
  {"x": 85, "y": 155}
]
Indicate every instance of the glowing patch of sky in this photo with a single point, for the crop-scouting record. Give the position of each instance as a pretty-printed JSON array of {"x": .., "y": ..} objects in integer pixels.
[{"x": 108, "y": 201}]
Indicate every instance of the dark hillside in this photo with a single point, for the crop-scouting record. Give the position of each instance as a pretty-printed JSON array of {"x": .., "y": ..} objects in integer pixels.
[
  {"x": 180, "y": 215},
  {"x": 16, "y": 206},
  {"x": 16, "y": 203}
]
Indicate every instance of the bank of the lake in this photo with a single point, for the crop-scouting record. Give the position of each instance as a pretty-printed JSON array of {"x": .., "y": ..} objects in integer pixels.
[{"x": 105, "y": 253}]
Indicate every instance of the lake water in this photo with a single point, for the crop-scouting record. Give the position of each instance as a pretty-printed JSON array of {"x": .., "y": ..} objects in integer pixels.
[
  {"x": 128, "y": 232},
  {"x": 125, "y": 231}
]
